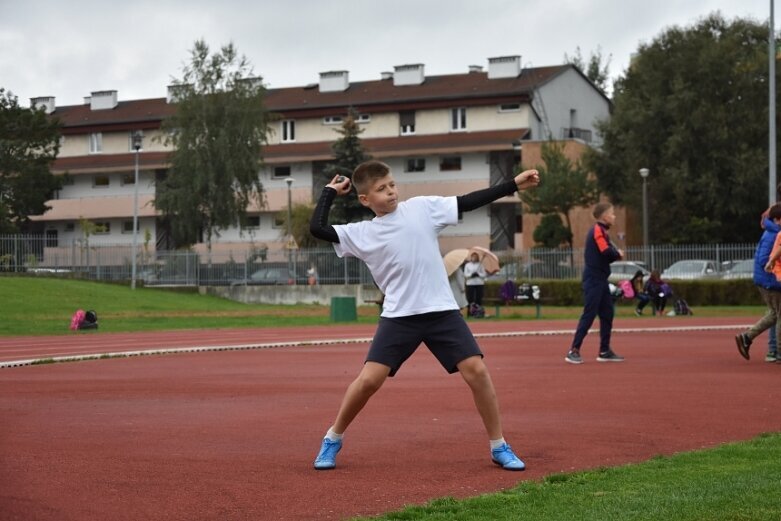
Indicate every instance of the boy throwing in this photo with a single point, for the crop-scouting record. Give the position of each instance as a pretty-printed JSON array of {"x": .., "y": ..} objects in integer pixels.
[{"x": 400, "y": 248}]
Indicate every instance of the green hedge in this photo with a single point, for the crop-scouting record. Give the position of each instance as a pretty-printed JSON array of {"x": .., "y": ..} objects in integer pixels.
[{"x": 696, "y": 292}]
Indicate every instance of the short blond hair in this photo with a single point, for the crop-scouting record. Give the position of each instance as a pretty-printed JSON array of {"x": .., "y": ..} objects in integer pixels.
[{"x": 366, "y": 173}]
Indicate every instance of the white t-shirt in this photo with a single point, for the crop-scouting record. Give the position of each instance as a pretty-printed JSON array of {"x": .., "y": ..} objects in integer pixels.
[{"x": 402, "y": 254}]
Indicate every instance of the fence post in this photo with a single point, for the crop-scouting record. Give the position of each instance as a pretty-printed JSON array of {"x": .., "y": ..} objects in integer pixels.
[{"x": 345, "y": 270}]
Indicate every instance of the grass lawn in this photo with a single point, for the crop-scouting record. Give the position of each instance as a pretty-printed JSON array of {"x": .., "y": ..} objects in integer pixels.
[
  {"x": 43, "y": 306},
  {"x": 735, "y": 482}
]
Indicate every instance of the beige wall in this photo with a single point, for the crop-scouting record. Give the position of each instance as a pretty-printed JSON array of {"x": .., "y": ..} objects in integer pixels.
[
  {"x": 113, "y": 143},
  {"x": 581, "y": 218}
]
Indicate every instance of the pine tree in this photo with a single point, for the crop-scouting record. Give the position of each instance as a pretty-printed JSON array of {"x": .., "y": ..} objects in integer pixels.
[{"x": 348, "y": 154}]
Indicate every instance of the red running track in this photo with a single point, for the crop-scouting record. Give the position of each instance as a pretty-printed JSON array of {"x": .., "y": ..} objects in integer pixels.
[{"x": 232, "y": 435}]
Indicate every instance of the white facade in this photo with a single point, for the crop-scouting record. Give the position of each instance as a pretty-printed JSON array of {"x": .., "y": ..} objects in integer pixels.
[{"x": 451, "y": 147}]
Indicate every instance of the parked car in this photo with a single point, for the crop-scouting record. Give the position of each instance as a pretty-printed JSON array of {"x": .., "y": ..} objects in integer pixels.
[
  {"x": 692, "y": 269},
  {"x": 271, "y": 276},
  {"x": 743, "y": 269},
  {"x": 625, "y": 270},
  {"x": 506, "y": 272}
]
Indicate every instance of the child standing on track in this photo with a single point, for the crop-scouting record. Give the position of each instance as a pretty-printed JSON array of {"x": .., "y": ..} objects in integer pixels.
[
  {"x": 400, "y": 248},
  {"x": 599, "y": 252}
]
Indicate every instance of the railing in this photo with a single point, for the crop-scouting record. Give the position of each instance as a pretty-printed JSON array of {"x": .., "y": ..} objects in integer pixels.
[{"x": 100, "y": 261}]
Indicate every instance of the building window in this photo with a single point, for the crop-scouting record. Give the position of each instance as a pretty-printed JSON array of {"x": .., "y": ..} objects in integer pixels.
[
  {"x": 279, "y": 221},
  {"x": 510, "y": 107},
  {"x": 449, "y": 163},
  {"x": 96, "y": 143},
  {"x": 51, "y": 238},
  {"x": 102, "y": 228},
  {"x": 288, "y": 131},
  {"x": 332, "y": 120},
  {"x": 69, "y": 227},
  {"x": 253, "y": 221},
  {"x": 281, "y": 172},
  {"x": 407, "y": 122},
  {"x": 100, "y": 181},
  {"x": 458, "y": 119},
  {"x": 130, "y": 142},
  {"x": 127, "y": 226},
  {"x": 415, "y": 164},
  {"x": 363, "y": 118},
  {"x": 128, "y": 179}
]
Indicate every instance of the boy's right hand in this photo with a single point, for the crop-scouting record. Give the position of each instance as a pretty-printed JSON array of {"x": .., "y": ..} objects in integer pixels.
[{"x": 341, "y": 184}]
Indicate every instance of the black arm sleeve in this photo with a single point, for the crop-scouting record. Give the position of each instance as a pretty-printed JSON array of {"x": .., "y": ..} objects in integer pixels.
[
  {"x": 480, "y": 198},
  {"x": 318, "y": 224}
]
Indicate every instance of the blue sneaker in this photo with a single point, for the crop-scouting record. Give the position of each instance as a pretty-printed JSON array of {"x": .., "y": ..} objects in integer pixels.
[
  {"x": 326, "y": 459},
  {"x": 505, "y": 458}
]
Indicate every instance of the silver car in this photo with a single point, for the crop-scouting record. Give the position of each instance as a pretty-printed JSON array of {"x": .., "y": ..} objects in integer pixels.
[
  {"x": 692, "y": 269},
  {"x": 625, "y": 270},
  {"x": 743, "y": 269}
]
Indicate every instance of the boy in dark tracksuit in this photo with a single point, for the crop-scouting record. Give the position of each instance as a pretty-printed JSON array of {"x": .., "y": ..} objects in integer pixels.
[{"x": 599, "y": 253}]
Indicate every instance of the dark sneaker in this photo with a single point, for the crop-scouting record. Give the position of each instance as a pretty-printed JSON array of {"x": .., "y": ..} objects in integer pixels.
[
  {"x": 573, "y": 357},
  {"x": 326, "y": 459},
  {"x": 638, "y": 311},
  {"x": 506, "y": 458},
  {"x": 744, "y": 343},
  {"x": 609, "y": 356}
]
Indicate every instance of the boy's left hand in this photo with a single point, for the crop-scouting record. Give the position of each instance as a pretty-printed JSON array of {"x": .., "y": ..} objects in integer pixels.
[{"x": 527, "y": 179}]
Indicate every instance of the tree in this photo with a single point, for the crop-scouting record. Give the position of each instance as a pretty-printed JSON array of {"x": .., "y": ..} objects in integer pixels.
[
  {"x": 301, "y": 214},
  {"x": 217, "y": 132},
  {"x": 29, "y": 142},
  {"x": 594, "y": 70},
  {"x": 692, "y": 108},
  {"x": 551, "y": 232},
  {"x": 563, "y": 186},
  {"x": 348, "y": 154}
]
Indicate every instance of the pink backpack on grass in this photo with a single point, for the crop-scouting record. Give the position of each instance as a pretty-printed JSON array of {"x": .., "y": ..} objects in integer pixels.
[
  {"x": 626, "y": 287},
  {"x": 77, "y": 319}
]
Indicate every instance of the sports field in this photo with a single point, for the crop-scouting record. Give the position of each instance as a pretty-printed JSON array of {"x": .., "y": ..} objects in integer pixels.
[{"x": 231, "y": 433}]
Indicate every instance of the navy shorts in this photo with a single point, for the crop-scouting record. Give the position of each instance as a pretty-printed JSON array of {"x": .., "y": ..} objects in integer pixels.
[{"x": 445, "y": 333}]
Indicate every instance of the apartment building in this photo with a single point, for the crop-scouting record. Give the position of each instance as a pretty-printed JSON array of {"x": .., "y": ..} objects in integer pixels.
[{"x": 442, "y": 135}]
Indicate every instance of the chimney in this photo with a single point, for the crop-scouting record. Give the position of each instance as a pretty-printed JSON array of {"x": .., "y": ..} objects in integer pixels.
[
  {"x": 45, "y": 102},
  {"x": 386, "y": 75},
  {"x": 408, "y": 75},
  {"x": 334, "y": 81},
  {"x": 103, "y": 99},
  {"x": 174, "y": 93},
  {"x": 475, "y": 68},
  {"x": 504, "y": 67}
]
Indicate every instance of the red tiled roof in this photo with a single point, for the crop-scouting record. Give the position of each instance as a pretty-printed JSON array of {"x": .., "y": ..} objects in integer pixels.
[
  {"x": 96, "y": 208},
  {"x": 377, "y": 95},
  {"x": 109, "y": 162}
]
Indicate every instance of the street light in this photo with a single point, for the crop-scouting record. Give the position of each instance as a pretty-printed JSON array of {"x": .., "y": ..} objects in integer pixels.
[
  {"x": 289, "y": 181},
  {"x": 644, "y": 174},
  {"x": 138, "y": 141}
]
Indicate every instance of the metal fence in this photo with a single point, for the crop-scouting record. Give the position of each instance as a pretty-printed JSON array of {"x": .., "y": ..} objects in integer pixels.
[{"x": 94, "y": 260}]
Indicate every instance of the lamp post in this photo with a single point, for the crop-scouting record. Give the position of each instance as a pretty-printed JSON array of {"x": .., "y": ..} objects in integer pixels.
[
  {"x": 289, "y": 182},
  {"x": 138, "y": 141},
  {"x": 644, "y": 174}
]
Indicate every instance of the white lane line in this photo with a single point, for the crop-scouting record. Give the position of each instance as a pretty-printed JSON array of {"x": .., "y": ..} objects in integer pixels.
[{"x": 338, "y": 341}]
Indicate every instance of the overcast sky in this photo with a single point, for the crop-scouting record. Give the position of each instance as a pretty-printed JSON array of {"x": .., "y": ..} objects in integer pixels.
[{"x": 68, "y": 49}]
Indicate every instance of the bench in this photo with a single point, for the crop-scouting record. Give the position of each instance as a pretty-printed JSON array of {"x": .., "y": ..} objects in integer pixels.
[{"x": 498, "y": 303}]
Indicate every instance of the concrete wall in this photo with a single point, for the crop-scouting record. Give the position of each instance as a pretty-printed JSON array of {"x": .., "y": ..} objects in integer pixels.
[{"x": 293, "y": 294}]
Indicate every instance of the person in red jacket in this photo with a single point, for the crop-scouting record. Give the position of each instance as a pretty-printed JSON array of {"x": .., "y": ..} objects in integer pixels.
[{"x": 599, "y": 252}]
